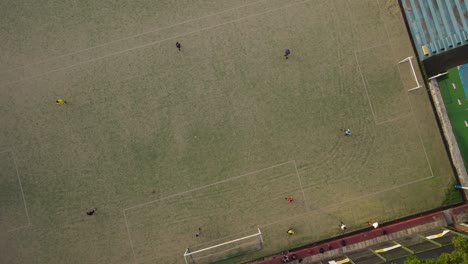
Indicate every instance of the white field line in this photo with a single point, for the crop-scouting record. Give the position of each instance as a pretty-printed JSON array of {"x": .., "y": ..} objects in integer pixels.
[
  {"x": 348, "y": 201},
  {"x": 382, "y": 191},
  {"x": 395, "y": 119},
  {"x": 130, "y": 237},
  {"x": 392, "y": 56},
  {"x": 385, "y": 27},
  {"x": 367, "y": 93},
  {"x": 365, "y": 87},
  {"x": 371, "y": 47},
  {"x": 22, "y": 195},
  {"x": 153, "y": 43},
  {"x": 206, "y": 186},
  {"x": 130, "y": 37},
  {"x": 18, "y": 228},
  {"x": 5, "y": 150},
  {"x": 300, "y": 185},
  {"x": 407, "y": 95},
  {"x": 132, "y": 245},
  {"x": 420, "y": 138}
]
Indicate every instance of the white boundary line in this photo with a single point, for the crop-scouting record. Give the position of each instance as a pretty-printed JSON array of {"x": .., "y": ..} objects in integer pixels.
[
  {"x": 407, "y": 95},
  {"x": 367, "y": 92},
  {"x": 365, "y": 87},
  {"x": 22, "y": 193},
  {"x": 300, "y": 185},
  {"x": 5, "y": 150},
  {"x": 371, "y": 47},
  {"x": 186, "y": 251},
  {"x": 382, "y": 191},
  {"x": 196, "y": 189},
  {"x": 206, "y": 186},
  {"x": 419, "y": 133},
  {"x": 395, "y": 119},
  {"x": 153, "y": 43},
  {"x": 18, "y": 228},
  {"x": 130, "y": 237},
  {"x": 225, "y": 243},
  {"x": 393, "y": 57},
  {"x": 348, "y": 201},
  {"x": 385, "y": 26},
  {"x": 411, "y": 114},
  {"x": 130, "y": 37},
  {"x": 424, "y": 149}
]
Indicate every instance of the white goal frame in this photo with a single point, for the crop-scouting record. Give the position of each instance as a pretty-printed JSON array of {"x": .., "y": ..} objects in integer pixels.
[
  {"x": 414, "y": 73},
  {"x": 188, "y": 253}
]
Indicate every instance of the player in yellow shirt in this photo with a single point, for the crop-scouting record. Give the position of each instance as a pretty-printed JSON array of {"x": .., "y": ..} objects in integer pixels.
[{"x": 60, "y": 102}]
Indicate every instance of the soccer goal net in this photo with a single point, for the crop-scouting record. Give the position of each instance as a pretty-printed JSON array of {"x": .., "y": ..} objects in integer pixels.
[
  {"x": 408, "y": 59},
  {"x": 226, "y": 250}
]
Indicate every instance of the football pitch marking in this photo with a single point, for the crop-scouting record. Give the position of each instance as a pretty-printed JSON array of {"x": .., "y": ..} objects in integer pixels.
[
  {"x": 365, "y": 86},
  {"x": 21, "y": 190},
  {"x": 300, "y": 185},
  {"x": 130, "y": 37},
  {"x": 382, "y": 191},
  {"x": 370, "y": 47},
  {"x": 130, "y": 237},
  {"x": 419, "y": 135},
  {"x": 208, "y": 185},
  {"x": 395, "y": 119},
  {"x": 197, "y": 189},
  {"x": 152, "y": 43},
  {"x": 348, "y": 201},
  {"x": 411, "y": 112}
]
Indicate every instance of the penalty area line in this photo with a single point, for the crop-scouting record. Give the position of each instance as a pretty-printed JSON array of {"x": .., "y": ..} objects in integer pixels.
[{"x": 206, "y": 186}]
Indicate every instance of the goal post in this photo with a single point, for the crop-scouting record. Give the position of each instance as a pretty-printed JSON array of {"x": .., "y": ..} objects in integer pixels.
[
  {"x": 409, "y": 59},
  {"x": 222, "y": 251}
]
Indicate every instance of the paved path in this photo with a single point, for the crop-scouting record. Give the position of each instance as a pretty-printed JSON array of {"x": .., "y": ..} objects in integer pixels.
[{"x": 448, "y": 134}]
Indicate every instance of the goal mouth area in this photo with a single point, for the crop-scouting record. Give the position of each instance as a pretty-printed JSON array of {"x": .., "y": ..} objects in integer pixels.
[
  {"x": 226, "y": 250},
  {"x": 409, "y": 59}
]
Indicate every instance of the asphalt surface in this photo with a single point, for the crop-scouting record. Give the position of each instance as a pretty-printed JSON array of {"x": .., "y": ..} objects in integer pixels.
[{"x": 433, "y": 253}]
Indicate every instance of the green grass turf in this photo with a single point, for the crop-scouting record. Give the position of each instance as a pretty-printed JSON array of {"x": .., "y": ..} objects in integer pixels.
[
  {"x": 453, "y": 196},
  {"x": 457, "y": 113},
  {"x": 163, "y": 142}
]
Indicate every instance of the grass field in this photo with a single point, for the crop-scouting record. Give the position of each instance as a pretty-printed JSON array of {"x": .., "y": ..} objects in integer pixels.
[
  {"x": 455, "y": 101},
  {"x": 215, "y": 136}
]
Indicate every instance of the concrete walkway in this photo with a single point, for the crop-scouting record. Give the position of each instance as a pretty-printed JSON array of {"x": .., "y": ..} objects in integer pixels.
[{"x": 448, "y": 134}]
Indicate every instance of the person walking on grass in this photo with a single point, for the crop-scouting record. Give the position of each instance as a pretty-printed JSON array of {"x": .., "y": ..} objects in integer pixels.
[
  {"x": 290, "y": 231},
  {"x": 198, "y": 232},
  {"x": 347, "y": 132},
  {"x": 286, "y": 53},
  {"x": 91, "y": 212},
  {"x": 374, "y": 224},
  {"x": 60, "y": 102},
  {"x": 342, "y": 226},
  {"x": 178, "y": 45},
  {"x": 289, "y": 199}
]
